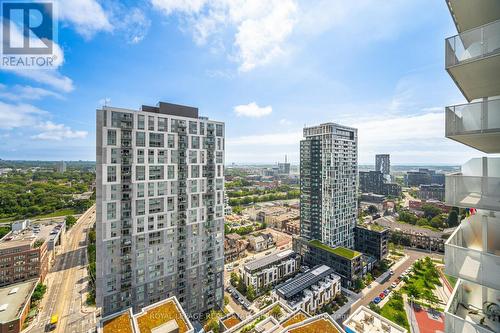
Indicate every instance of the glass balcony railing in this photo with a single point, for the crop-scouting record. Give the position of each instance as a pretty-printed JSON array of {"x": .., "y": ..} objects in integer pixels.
[
  {"x": 473, "y": 44},
  {"x": 473, "y": 250},
  {"x": 473, "y": 118},
  {"x": 472, "y": 309},
  {"x": 478, "y": 185}
]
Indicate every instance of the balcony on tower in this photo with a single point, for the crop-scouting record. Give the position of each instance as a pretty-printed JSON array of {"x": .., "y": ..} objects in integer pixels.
[
  {"x": 471, "y": 14},
  {"x": 473, "y": 251},
  {"x": 472, "y": 309},
  {"x": 477, "y": 186},
  {"x": 473, "y": 59},
  {"x": 475, "y": 124}
]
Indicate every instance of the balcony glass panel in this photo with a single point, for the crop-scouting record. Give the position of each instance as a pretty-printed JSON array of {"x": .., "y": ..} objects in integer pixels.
[
  {"x": 470, "y": 255},
  {"x": 477, "y": 186},
  {"x": 473, "y": 44},
  {"x": 473, "y": 117},
  {"x": 471, "y": 309}
]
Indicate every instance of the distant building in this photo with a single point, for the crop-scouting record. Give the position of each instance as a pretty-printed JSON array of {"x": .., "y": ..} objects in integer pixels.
[
  {"x": 234, "y": 247},
  {"x": 260, "y": 242},
  {"x": 364, "y": 320},
  {"x": 391, "y": 189},
  {"x": 371, "y": 197},
  {"x": 372, "y": 239},
  {"x": 424, "y": 177},
  {"x": 431, "y": 192},
  {"x": 346, "y": 263},
  {"x": 166, "y": 316},
  {"x": 61, "y": 166},
  {"x": 416, "y": 205},
  {"x": 270, "y": 270},
  {"x": 15, "y": 301},
  {"x": 383, "y": 163},
  {"x": 371, "y": 182},
  {"x": 309, "y": 291},
  {"x": 284, "y": 168},
  {"x": 292, "y": 227}
]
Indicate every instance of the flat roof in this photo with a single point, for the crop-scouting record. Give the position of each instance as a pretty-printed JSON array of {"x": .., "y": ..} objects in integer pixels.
[
  {"x": 304, "y": 281},
  {"x": 13, "y": 299},
  {"x": 364, "y": 320},
  {"x": 36, "y": 231},
  {"x": 268, "y": 260},
  {"x": 319, "y": 324},
  {"x": 120, "y": 323},
  {"x": 339, "y": 250}
]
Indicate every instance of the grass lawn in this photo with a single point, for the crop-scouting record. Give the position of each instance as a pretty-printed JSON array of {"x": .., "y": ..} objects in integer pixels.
[
  {"x": 340, "y": 251},
  {"x": 394, "y": 311}
]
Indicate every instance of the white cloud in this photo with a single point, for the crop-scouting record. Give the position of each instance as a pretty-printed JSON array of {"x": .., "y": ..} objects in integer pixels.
[
  {"x": 252, "y": 110},
  {"x": 18, "y": 115},
  {"x": 21, "y": 115},
  {"x": 261, "y": 26},
  {"x": 285, "y": 122},
  {"x": 87, "y": 16},
  {"x": 57, "y": 132},
  {"x": 18, "y": 93}
]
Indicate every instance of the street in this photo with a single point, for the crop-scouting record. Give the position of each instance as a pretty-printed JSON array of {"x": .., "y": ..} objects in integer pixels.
[{"x": 67, "y": 282}]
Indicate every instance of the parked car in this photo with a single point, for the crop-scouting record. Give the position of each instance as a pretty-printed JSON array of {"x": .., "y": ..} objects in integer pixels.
[
  {"x": 377, "y": 300},
  {"x": 381, "y": 295},
  {"x": 394, "y": 285},
  {"x": 268, "y": 253},
  {"x": 386, "y": 292},
  {"x": 391, "y": 272}
]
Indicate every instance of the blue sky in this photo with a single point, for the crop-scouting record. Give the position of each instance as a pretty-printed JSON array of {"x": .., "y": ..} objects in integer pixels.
[{"x": 264, "y": 67}]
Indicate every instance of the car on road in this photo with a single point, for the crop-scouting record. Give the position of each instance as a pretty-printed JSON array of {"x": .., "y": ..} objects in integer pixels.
[
  {"x": 377, "y": 300},
  {"x": 267, "y": 253},
  {"x": 391, "y": 272}
]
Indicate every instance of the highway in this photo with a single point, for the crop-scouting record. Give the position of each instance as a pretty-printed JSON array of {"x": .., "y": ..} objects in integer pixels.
[{"x": 67, "y": 281}]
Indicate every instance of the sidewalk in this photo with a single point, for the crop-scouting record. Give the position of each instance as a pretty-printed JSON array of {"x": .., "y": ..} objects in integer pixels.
[{"x": 410, "y": 314}]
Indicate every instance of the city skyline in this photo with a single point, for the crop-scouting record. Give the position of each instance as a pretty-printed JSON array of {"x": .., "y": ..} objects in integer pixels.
[{"x": 264, "y": 94}]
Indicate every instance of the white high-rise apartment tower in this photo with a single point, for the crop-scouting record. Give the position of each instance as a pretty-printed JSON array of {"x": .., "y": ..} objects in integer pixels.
[
  {"x": 328, "y": 184},
  {"x": 472, "y": 253},
  {"x": 160, "y": 208}
]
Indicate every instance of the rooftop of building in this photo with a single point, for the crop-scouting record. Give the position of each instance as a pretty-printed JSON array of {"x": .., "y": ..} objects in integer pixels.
[
  {"x": 364, "y": 320},
  {"x": 233, "y": 236},
  {"x": 322, "y": 323},
  {"x": 372, "y": 226},
  {"x": 164, "y": 316},
  {"x": 13, "y": 299},
  {"x": 339, "y": 250},
  {"x": 301, "y": 282},
  {"x": 230, "y": 320},
  {"x": 258, "y": 319},
  {"x": 268, "y": 260},
  {"x": 33, "y": 233}
]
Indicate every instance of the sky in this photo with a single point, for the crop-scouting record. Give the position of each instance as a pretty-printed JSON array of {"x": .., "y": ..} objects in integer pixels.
[{"x": 264, "y": 67}]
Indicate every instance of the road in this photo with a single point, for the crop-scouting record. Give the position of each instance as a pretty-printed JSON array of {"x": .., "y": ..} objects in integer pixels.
[
  {"x": 378, "y": 288},
  {"x": 66, "y": 283}
]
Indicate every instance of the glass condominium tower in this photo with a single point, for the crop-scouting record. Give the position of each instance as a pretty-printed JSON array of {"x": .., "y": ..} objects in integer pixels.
[
  {"x": 328, "y": 184},
  {"x": 160, "y": 208},
  {"x": 472, "y": 253}
]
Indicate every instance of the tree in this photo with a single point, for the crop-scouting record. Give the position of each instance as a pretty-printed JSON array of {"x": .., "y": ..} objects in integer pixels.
[
  {"x": 251, "y": 293},
  {"x": 242, "y": 288},
  {"x": 226, "y": 300},
  {"x": 212, "y": 321},
  {"x": 368, "y": 278},
  {"x": 437, "y": 222},
  {"x": 422, "y": 222},
  {"x": 374, "y": 307},
  {"x": 452, "y": 218},
  {"x": 407, "y": 217},
  {"x": 70, "y": 221},
  {"x": 276, "y": 312},
  {"x": 412, "y": 291},
  {"x": 372, "y": 209},
  {"x": 430, "y": 211},
  {"x": 359, "y": 284},
  {"x": 234, "y": 279},
  {"x": 38, "y": 293}
]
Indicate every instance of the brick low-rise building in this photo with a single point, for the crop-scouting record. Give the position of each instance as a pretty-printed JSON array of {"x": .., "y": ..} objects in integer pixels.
[
  {"x": 15, "y": 304},
  {"x": 26, "y": 254},
  {"x": 372, "y": 239}
]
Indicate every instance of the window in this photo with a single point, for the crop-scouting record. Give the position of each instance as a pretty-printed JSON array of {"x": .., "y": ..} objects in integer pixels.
[
  {"x": 155, "y": 172},
  {"x": 151, "y": 156},
  {"x": 193, "y": 127},
  {"x": 140, "y": 207},
  {"x": 140, "y": 190},
  {"x": 195, "y": 171},
  {"x": 156, "y": 140},
  {"x": 202, "y": 128},
  {"x": 111, "y": 210},
  {"x": 151, "y": 123},
  {"x": 162, "y": 125},
  {"x": 155, "y": 206},
  {"x": 112, "y": 137},
  {"x": 170, "y": 172},
  {"x": 140, "y": 172},
  {"x": 162, "y": 188},
  {"x": 140, "y": 122},
  {"x": 114, "y": 155},
  {"x": 171, "y": 141},
  {"x": 218, "y": 157},
  {"x": 111, "y": 173},
  {"x": 195, "y": 142},
  {"x": 140, "y": 156},
  {"x": 140, "y": 139},
  {"x": 151, "y": 189},
  {"x": 162, "y": 156},
  {"x": 219, "y": 130},
  {"x": 193, "y": 157}
]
